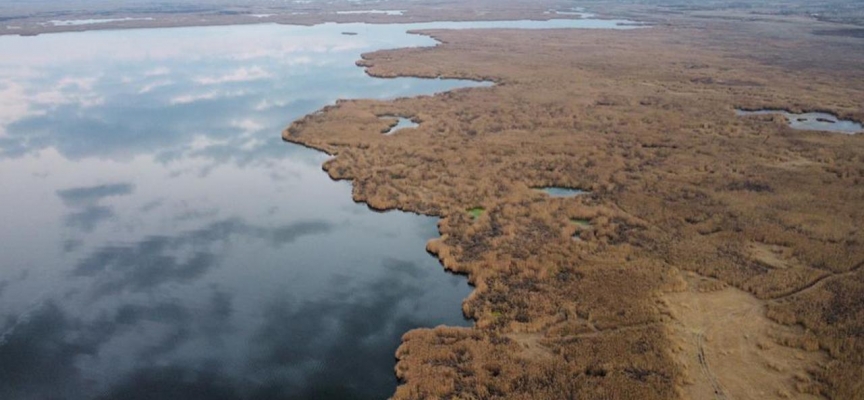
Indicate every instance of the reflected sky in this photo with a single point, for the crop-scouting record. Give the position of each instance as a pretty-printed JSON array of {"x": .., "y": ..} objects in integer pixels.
[
  {"x": 812, "y": 121},
  {"x": 401, "y": 123},
  {"x": 562, "y": 192},
  {"x": 159, "y": 240}
]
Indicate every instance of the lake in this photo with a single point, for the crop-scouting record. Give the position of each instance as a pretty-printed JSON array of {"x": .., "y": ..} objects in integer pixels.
[{"x": 159, "y": 240}]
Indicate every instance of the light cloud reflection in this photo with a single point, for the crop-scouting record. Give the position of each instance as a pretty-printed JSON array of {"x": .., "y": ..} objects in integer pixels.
[
  {"x": 157, "y": 71},
  {"x": 235, "y": 268},
  {"x": 243, "y": 74},
  {"x": 154, "y": 92},
  {"x": 149, "y": 87},
  {"x": 87, "y": 212},
  {"x": 175, "y": 242},
  {"x": 211, "y": 95}
]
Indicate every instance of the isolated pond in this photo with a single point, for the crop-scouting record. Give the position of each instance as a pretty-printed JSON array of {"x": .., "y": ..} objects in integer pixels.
[
  {"x": 401, "y": 123},
  {"x": 562, "y": 192},
  {"x": 813, "y": 121},
  {"x": 159, "y": 240}
]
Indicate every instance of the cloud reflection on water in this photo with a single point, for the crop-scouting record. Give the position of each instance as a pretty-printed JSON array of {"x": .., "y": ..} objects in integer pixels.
[
  {"x": 88, "y": 213},
  {"x": 173, "y": 245},
  {"x": 325, "y": 349},
  {"x": 158, "y": 260}
]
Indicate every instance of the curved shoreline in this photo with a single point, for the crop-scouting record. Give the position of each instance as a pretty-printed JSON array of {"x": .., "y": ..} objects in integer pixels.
[
  {"x": 650, "y": 247},
  {"x": 701, "y": 223}
]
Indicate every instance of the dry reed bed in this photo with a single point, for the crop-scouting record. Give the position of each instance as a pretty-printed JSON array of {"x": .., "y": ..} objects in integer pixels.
[{"x": 644, "y": 120}]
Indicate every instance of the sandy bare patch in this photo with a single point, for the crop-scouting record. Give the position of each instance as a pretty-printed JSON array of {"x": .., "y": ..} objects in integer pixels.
[
  {"x": 532, "y": 346},
  {"x": 773, "y": 255},
  {"x": 724, "y": 344}
]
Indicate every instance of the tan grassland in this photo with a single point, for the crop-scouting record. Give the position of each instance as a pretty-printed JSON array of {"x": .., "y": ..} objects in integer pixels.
[{"x": 724, "y": 254}]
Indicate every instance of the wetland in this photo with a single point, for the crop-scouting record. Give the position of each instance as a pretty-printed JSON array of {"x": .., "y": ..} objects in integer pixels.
[{"x": 717, "y": 256}]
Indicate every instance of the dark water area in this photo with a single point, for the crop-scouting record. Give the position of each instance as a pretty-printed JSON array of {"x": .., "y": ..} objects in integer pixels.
[
  {"x": 813, "y": 121},
  {"x": 160, "y": 241}
]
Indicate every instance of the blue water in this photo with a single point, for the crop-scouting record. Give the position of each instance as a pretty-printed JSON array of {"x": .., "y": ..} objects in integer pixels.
[{"x": 160, "y": 241}]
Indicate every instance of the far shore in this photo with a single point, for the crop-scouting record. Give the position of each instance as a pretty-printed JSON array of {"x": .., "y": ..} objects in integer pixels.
[{"x": 50, "y": 23}]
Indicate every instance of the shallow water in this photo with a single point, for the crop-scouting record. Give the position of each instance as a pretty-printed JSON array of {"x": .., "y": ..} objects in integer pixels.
[
  {"x": 76, "y": 22},
  {"x": 160, "y": 240},
  {"x": 384, "y": 12},
  {"x": 574, "y": 12},
  {"x": 562, "y": 192},
  {"x": 812, "y": 121},
  {"x": 403, "y": 123}
]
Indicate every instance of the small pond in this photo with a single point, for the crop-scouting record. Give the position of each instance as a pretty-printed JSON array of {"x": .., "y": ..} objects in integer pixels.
[
  {"x": 402, "y": 123},
  {"x": 812, "y": 121},
  {"x": 554, "y": 191}
]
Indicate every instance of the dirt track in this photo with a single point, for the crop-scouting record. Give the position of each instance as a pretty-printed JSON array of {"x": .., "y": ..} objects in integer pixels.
[{"x": 726, "y": 343}]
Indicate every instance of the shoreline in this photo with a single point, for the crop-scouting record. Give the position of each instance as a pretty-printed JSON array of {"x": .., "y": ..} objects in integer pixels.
[
  {"x": 691, "y": 208},
  {"x": 313, "y": 22},
  {"x": 630, "y": 232},
  {"x": 36, "y": 27}
]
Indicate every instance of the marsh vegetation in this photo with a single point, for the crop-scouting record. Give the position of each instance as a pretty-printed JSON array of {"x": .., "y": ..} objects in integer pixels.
[
  {"x": 717, "y": 255},
  {"x": 679, "y": 185},
  {"x": 181, "y": 249}
]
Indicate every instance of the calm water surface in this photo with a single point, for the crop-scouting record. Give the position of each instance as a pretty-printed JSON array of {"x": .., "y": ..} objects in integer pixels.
[
  {"x": 813, "y": 121},
  {"x": 401, "y": 123},
  {"x": 159, "y": 240},
  {"x": 562, "y": 192}
]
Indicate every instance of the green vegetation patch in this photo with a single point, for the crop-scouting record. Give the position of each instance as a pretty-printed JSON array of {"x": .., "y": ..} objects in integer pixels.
[
  {"x": 476, "y": 212},
  {"x": 582, "y": 223}
]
